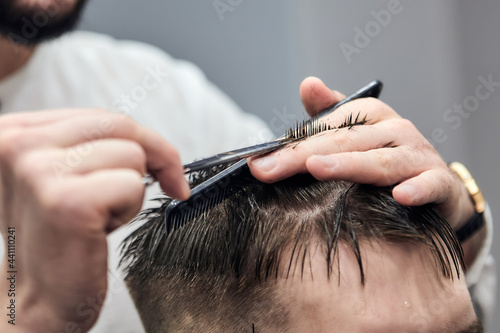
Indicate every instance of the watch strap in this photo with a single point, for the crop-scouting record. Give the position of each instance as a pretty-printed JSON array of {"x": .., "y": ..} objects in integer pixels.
[
  {"x": 471, "y": 227},
  {"x": 477, "y": 221}
]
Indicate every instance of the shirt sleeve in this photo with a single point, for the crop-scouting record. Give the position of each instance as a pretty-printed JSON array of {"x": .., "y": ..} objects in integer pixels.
[{"x": 481, "y": 276}]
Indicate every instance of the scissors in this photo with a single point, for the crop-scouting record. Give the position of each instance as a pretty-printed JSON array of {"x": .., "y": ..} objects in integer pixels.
[{"x": 372, "y": 89}]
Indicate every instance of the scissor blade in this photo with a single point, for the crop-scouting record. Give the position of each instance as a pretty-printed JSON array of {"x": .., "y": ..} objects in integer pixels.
[{"x": 234, "y": 155}]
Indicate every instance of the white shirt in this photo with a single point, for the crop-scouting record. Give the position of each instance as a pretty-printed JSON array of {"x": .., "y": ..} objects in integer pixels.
[{"x": 172, "y": 97}]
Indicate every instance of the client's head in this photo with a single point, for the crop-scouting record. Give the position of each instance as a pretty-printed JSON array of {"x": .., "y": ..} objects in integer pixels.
[{"x": 300, "y": 255}]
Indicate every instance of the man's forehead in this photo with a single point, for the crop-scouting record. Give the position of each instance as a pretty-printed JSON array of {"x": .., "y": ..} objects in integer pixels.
[{"x": 403, "y": 289}]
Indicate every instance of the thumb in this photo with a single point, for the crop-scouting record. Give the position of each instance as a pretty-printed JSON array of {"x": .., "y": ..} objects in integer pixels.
[{"x": 316, "y": 97}]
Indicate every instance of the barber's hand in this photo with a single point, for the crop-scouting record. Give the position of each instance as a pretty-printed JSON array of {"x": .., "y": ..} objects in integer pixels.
[
  {"x": 67, "y": 179},
  {"x": 387, "y": 150}
]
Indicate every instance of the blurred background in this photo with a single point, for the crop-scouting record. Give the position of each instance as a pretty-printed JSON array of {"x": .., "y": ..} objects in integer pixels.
[{"x": 431, "y": 56}]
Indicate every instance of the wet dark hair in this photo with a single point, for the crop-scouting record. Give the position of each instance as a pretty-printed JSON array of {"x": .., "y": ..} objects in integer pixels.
[{"x": 218, "y": 270}]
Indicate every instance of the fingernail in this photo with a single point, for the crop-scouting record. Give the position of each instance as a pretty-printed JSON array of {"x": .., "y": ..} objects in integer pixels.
[
  {"x": 266, "y": 163},
  {"x": 407, "y": 189},
  {"x": 186, "y": 190},
  {"x": 328, "y": 161}
]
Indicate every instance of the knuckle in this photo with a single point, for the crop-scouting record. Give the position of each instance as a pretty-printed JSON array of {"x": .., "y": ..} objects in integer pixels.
[
  {"x": 9, "y": 120},
  {"x": 340, "y": 140},
  {"x": 33, "y": 166},
  {"x": 29, "y": 163},
  {"x": 11, "y": 143},
  {"x": 135, "y": 151},
  {"x": 384, "y": 161},
  {"x": 425, "y": 145},
  {"x": 136, "y": 154},
  {"x": 58, "y": 203},
  {"x": 404, "y": 124},
  {"x": 380, "y": 108},
  {"x": 450, "y": 179},
  {"x": 125, "y": 122},
  {"x": 173, "y": 153},
  {"x": 63, "y": 204},
  {"x": 387, "y": 169},
  {"x": 443, "y": 183}
]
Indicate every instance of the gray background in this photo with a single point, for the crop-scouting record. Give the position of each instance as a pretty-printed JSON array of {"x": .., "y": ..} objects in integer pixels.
[{"x": 429, "y": 56}]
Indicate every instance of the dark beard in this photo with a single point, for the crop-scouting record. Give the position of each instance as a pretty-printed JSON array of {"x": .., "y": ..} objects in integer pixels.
[{"x": 31, "y": 25}]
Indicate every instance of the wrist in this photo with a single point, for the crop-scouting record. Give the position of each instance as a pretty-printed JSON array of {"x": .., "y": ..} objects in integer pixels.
[
  {"x": 472, "y": 246},
  {"x": 465, "y": 207},
  {"x": 22, "y": 312}
]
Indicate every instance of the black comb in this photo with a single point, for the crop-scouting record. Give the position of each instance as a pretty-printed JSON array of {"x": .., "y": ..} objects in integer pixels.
[{"x": 212, "y": 191}]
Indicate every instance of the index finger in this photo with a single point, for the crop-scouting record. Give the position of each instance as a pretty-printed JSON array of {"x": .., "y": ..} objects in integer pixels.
[
  {"x": 162, "y": 158},
  {"x": 43, "y": 117},
  {"x": 287, "y": 162}
]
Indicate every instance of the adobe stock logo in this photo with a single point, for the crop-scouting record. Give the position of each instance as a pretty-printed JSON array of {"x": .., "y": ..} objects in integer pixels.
[
  {"x": 151, "y": 81},
  {"x": 221, "y": 7},
  {"x": 454, "y": 116},
  {"x": 373, "y": 28}
]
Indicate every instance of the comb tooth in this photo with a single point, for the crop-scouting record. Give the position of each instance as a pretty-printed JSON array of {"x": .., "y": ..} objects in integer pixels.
[
  {"x": 180, "y": 217},
  {"x": 209, "y": 204},
  {"x": 213, "y": 201},
  {"x": 193, "y": 212},
  {"x": 179, "y": 222},
  {"x": 171, "y": 224},
  {"x": 175, "y": 220},
  {"x": 202, "y": 208}
]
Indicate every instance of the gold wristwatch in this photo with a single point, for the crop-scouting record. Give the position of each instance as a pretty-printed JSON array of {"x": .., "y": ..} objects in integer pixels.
[{"x": 477, "y": 221}]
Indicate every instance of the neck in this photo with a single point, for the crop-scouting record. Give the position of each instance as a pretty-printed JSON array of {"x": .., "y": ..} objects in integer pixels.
[{"x": 12, "y": 57}]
